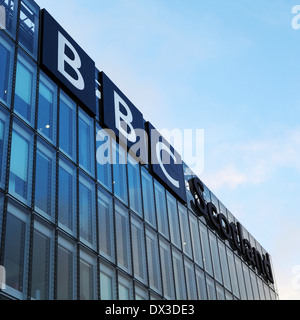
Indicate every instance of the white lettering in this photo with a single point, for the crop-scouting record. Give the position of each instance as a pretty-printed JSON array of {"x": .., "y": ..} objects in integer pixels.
[
  {"x": 74, "y": 64},
  {"x": 124, "y": 121},
  {"x": 160, "y": 147},
  {"x": 295, "y": 21}
]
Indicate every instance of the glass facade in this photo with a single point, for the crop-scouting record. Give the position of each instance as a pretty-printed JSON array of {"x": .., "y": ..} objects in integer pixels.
[{"x": 75, "y": 228}]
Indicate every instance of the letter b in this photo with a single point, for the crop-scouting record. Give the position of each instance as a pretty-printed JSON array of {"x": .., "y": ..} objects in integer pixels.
[{"x": 75, "y": 64}]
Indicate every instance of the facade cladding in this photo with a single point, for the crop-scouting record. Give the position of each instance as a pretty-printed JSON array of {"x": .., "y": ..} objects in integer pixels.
[{"x": 72, "y": 228}]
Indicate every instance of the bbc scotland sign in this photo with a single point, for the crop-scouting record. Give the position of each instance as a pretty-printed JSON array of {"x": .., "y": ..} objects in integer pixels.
[{"x": 66, "y": 62}]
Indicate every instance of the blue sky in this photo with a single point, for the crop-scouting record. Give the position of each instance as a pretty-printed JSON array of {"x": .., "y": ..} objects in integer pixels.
[{"x": 229, "y": 67}]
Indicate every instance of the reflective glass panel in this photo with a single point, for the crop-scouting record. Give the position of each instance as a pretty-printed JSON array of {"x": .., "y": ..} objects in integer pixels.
[
  {"x": 25, "y": 88},
  {"x": 87, "y": 211},
  {"x": 20, "y": 179},
  {"x": 45, "y": 180},
  {"x": 42, "y": 262},
  {"x": 67, "y": 125},
  {"x": 86, "y": 143},
  {"x": 29, "y": 26},
  {"x": 123, "y": 238},
  {"x": 106, "y": 225},
  {"x": 67, "y": 190},
  {"x": 6, "y": 68},
  {"x": 47, "y": 109}
]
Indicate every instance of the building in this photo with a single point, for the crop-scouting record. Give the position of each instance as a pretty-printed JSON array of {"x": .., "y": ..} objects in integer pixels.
[{"x": 72, "y": 228}]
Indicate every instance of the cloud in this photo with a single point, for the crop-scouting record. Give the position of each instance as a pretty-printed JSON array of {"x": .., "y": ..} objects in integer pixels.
[{"x": 254, "y": 162}]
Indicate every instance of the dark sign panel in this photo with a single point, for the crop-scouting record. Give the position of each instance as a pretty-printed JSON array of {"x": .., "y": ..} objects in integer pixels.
[
  {"x": 62, "y": 58},
  {"x": 120, "y": 115},
  {"x": 166, "y": 163}
]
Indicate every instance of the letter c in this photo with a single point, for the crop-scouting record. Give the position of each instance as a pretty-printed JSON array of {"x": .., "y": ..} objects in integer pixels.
[{"x": 160, "y": 147}]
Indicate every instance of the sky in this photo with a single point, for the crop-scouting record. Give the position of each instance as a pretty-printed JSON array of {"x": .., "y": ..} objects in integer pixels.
[{"x": 230, "y": 68}]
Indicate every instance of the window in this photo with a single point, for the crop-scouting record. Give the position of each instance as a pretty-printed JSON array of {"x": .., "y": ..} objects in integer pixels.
[
  {"x": 220, "y": 292},
  {"x": 180, "y": 287},
  {"x": 21, "y": 163},
  {"x": 125, "y": 288},
  {"x": 47, "y": 110},
  {"x": 248, "y": 282},
  {"x": 87, "y": 211},
  {"x": 267, "y": 292},
  {"x": 104, "y": 158},
  {"x": 134, "y": 185},
  {"x": 66, "y": 270},
  {"x": 123, "y": 238},
  {"x": 88, "y": 276},
  {"x": 201, "y": 284},
  {"x": 29, "y": 26},
  {"x": 153, "y": 261},
  {"x": 120, "y": 173},
  {"x": 1, "y": 213},
  {"x": 67, "y": 127},
  {"x": 148, "y": 198},
  {"x": 138, "y": 250},
  {"x": 106, "y": 225},
  {"x": 224, "y": 265},
  {"x": 205, "y": 249},
  {"x": 196, "y": 244},
  {"x": 141, "y": 293},
  {"x": 25, "y": 89},
  {"x": 185, "y": 231},
  {"x": 42, "y": 262},
  {"x": 16, "y": 250},
  {"x": 45, "y": 180},
  {"x": 173, "y": 220},
  {"x": 11, "y": 8},
  {"x": 233, "y": 275},
  {"x": 215, "y": 257},
  {"x": 107, "y": 282},
  {"x": 167, "y": 270},
  {"x": 86, "y": 143},
  {"x": 254, "y": 285},
  {"x": 6, "y": 67},
  {"x": 161, "y": 210},
  {"x": 211, "y": 289},
  {"x": 4, "y": 129},
  {"x": 240, "y": 276},
  {"x": 190, "y": 280},
  {"x": 261, "y": 289},
  {"x": 67, "y": 190}
]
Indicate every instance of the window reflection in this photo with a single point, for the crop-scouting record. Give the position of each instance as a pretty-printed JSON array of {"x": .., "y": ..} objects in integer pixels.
[
  {"x": 87, "y": 214},
  {"x": 123, "y": 238},
  {"x": 86, "y": 143},
  {"x": 21, "y": 164},
  {"x": 29, "y": 26},
  {"x": 45, "y": 180},
  {"x": 138, "y": 250},
  {"x": 25, "y": 89},
  {"x": 148, "y": 198},
  {"x": 67, "y": 190},
  {"x": 47, "y": 109},
  {"x": 42, "y": 262},
  {"x": 106, "y": 225},
  {"x": 66, "y": 270},
  {"x": 6, "y": 67},
  {"x": 15, "y": 251},
  {"x": 67, "y": 123}
]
